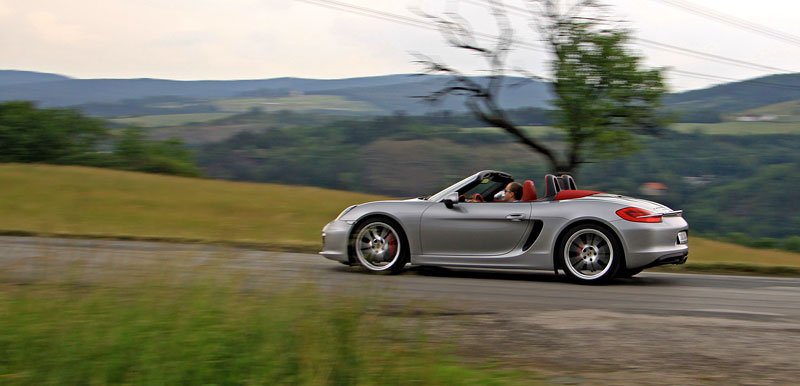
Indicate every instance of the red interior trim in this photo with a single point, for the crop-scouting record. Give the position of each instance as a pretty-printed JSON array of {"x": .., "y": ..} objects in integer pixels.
[{"x": 570, "y": 194}]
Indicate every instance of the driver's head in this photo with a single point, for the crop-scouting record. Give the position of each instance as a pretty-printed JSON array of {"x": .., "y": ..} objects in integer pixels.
[{"x": 513, "y": 192}]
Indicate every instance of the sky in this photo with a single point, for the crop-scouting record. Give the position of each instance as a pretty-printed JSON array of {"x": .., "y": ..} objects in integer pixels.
[{"x": 256, "y": 39}]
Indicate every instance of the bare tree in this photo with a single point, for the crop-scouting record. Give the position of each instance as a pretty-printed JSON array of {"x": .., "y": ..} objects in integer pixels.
[{"x": 603, "y": 96}]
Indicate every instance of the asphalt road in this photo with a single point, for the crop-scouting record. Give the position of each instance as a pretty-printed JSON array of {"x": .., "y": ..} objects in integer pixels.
[
  {"x": 731, "y": 297},
  {"x": 653, "y": 329}
]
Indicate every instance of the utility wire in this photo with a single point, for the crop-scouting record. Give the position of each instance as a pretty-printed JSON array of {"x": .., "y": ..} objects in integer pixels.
[
  {"x": 346, "y": 7},
  {"x": 733, "y": 21},
  {"x": 666, "y": 47},
  {"x": 342, "y": 6},
  {"x": 722, "y": 78}
]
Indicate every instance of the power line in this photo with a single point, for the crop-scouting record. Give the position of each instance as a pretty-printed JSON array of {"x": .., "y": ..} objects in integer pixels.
[
  {"x": 722, "y": 78},
  {"x": 734, "y": 21},
  {"x": 670, "y": 47},
  {"x": 346, "y": 7}
]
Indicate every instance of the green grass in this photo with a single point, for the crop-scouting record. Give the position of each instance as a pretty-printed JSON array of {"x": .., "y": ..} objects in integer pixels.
[
  {"x": 294, "y": 103},
  {"x": 159, "y": 331},
  {"x": 61, "y": 200},
  {"x": 170, "y": 119},
  {"x": 88, "y": 201},
  {"x": 728, "y": 128},
  {"x": 739, "y": 128}
]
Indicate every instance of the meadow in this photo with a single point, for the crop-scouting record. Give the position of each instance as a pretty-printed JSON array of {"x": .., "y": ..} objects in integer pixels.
[
  {"x": 165, "y": 120},
  {"x": 160, "y": 325},
  {"x": 77, "y": 201}
]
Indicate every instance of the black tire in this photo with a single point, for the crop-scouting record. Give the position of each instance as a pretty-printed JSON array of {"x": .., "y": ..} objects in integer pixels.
[
  {"x": 380, "y": 246},
  {"x": 589, "y": 254}
]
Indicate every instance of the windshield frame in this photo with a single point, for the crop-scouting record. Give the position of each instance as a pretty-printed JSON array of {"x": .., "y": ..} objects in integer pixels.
[{"x": 458, "y": 185}]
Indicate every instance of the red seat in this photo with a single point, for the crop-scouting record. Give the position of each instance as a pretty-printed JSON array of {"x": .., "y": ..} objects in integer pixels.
[{"x": 528, "y": 191}]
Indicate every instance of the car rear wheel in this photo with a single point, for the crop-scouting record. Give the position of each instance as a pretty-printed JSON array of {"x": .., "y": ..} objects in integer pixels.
[
  {"x": 379, "y": 246},
  {"x": 590, "y": 253}
]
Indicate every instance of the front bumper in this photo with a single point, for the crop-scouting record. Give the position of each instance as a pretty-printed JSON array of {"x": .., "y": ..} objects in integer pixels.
[{"x": 334, "y": 241}]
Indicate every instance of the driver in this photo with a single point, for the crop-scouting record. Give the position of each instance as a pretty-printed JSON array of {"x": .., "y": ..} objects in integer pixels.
[{"x": 512, "y": 192}]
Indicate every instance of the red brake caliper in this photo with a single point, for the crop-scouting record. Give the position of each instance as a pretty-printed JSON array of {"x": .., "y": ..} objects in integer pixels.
[{"x": 392, "y": 245}]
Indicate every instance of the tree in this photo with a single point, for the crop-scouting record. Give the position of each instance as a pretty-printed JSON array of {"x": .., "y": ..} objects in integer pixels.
[
  {"x": 28, "y": 134},
  {"x": 603, "y": 95},
  {"x": 133, "y": 151}
]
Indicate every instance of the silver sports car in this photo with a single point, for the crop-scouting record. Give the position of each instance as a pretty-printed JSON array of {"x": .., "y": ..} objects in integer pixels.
[{"x": 591, "y": 236}]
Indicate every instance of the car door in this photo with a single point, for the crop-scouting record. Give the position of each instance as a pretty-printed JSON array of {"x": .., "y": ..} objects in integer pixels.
[{"x": 474, "y": 229}]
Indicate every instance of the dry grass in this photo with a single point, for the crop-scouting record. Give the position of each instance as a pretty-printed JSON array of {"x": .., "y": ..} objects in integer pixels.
[
  {"x": 86, "y": 201},
  {"x": 710, "y": 252}
]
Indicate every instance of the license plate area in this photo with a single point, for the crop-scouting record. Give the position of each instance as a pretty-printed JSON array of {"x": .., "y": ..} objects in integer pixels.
[{"x": 683, "y": 237}]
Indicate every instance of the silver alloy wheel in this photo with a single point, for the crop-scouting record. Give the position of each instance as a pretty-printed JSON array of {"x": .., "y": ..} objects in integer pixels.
[
  {"x": 377, "y": 246},
  {"x": 588, "y": 254}
]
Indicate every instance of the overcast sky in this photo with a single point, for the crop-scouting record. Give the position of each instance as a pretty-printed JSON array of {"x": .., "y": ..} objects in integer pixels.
[{"x": 247, "y": 39}]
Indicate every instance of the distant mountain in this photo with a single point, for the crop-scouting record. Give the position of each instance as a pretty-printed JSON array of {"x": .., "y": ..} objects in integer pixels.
[
  {"x": 738, "y": 96},
  {"x": 64, "y": 91},
  {"x": 386, "y": 93},
  {"x": 12, "y": 77}
]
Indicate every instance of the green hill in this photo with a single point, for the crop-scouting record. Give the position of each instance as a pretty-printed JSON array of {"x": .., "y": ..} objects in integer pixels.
[
  {"x": 736, "y": 96},
  {"x": 778, "y": 112},
  {"x": 66, "y": 200}
]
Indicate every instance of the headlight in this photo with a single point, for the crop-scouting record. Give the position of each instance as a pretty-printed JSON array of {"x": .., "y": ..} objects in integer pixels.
[{"x": 349, "y": 208}]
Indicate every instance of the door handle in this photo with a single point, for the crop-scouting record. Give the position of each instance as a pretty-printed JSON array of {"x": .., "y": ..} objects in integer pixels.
[{"x": 515, "y": 217}]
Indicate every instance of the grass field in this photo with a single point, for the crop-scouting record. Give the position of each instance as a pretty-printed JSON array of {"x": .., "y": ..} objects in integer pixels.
[
  {"x": 85, "y": 201},
  {"x": 728, "y": 128},
  {"x": 294, "y": 103},
  {"x": 170, "y": 119},
  {"x": 739, "y": 128},
  {"x": 75, "y": 200},
  {"x": 165, "y": 326}
]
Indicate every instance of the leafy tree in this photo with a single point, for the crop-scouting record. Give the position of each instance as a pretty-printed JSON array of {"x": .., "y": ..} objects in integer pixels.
[
  {"x": 62, "y": 136},
  {"x": 134, "y": 152},
  {"x": 603, "y": 95},
  {"x": 28, "y": 134}
]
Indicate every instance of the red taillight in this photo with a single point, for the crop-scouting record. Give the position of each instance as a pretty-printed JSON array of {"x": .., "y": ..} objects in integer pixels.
[{"x": 638, "y": 215}]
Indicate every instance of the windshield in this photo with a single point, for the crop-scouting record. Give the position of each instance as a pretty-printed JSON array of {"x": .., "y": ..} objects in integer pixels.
[{"x": 439, "y": 196}]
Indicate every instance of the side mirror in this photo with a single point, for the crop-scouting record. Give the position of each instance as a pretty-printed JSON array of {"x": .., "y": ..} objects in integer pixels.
[{"x": 450, "y": 200}]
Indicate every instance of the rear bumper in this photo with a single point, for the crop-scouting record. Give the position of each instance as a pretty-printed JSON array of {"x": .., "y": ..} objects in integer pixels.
[
  {"x": 674, "y": 258},
  {"x": 334, "y": 241},
  {"x": 649, "y": 245}
]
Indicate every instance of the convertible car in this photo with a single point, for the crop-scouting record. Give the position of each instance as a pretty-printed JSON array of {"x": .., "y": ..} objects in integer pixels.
[{"x": 590, "y": 236}]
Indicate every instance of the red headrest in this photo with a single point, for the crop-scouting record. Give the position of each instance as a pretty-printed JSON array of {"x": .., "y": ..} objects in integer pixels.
[{"x": 528, "y": 191}]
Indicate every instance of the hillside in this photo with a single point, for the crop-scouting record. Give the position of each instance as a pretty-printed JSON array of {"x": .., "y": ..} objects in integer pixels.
[
  {"x": 737, "y": 96},
  {"x": 62, "y": 91},
  {"x": 779, "y": 112},
  {"x": 386, "y": 94},
  {"x": 14, "y": 77},
  {"x": 63, "y": 200},
  {"x": 87, "y": 201}
]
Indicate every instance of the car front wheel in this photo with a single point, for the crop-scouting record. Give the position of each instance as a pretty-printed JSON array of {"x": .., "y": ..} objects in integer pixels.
[
  {"x": 379, "y": 246},
  {"x": 590, "y": 253}
]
